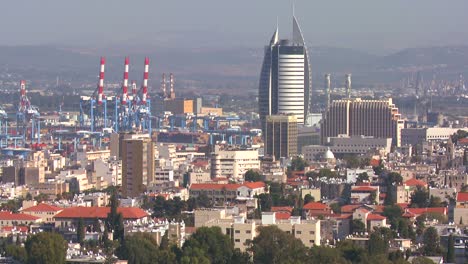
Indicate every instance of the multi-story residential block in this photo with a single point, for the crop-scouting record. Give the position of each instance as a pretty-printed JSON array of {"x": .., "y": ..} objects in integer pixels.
[
  {"x": 233, "y": 163},
  {"x": 137, "y": 165}
]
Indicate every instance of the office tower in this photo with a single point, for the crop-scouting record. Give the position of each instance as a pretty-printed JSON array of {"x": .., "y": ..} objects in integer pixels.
[
  {"x": 356, "y": 117},
  {"x": 281, "y": 135},
  {"x": 285, "y": 79},
  {"x": 137, "y": 165}
]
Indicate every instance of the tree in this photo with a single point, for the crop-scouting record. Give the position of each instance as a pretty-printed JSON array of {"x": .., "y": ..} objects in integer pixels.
[
  {"x": 253, "y": 176},
  {"x": 80, "y": 231},
  {"x": 435, "y": 202},
  {"x": 308, "y": 198},
  {"x": 265, "y": 202},
  {"x": 362, "y": 177},
  {"x": 377, "y": 244},
  {"x": 336, "y": 208},
  {"x": 297, "y": 164},
  {"x": 46, "y": 248},
  {"x": 420, "y": 198},
  {"x": 209, "y": 242},
  {"x": 352, "y": 252},
  {"x": 459, "y": 135},
  {"x": 16, "y": 252},
  {"x": 431, "y": 242},
  {"x": 142, "y": 248},
  {"x": 357, "y": 226},
  {"x": 326, "y": 255},
  {"x": 393, "y": 214},
  {"x": 272, "y": 245},
  {"x": 450, "y": 250},
  {"x": 352, "y": 161}
]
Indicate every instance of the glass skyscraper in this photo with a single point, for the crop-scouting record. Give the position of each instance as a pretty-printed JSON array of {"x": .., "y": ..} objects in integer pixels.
[{"x": 285, "y": 79}]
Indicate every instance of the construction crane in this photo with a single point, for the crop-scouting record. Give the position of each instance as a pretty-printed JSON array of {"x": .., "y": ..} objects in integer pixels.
[
  {"x": 27, "y": 114},
  {"x": 140, "y": 111}
]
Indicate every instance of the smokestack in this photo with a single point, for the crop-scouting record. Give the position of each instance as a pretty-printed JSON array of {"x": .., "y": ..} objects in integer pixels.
[
  {"x": 171, "y": 83},
  {"x": 145, "y": 82},
  {"x": 163, "y": 85},
  {"x": 348, "y": 85},
  {"x": 328, "y": 88},
  {"x": 125, "y": 83},
  {"x": 101, "y": 81}
]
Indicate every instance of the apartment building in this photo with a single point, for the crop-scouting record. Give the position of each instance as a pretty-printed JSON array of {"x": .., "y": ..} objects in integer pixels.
[{"x": 233, "y": 162}]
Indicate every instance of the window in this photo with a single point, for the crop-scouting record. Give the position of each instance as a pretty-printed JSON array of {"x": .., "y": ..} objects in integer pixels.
[
  {"x": 248, "y": 231},
  {"x": 237, "y": 231},
  {"x": 237, "y": 240},
  {"x": 312, "y": 232},
  {"x": 312, "y": 241},
  {"x": 298, "y": 232}
]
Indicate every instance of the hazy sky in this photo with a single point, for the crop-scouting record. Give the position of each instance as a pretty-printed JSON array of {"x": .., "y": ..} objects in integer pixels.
[{"x": 363, "y": 24}]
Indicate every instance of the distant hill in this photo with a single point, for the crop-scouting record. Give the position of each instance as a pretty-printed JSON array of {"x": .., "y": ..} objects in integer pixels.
[{"x": 223, "y": 67}]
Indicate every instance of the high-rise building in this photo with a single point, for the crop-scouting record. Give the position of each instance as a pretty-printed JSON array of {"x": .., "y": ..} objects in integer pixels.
[
  {"x": 356, "y": 117},
  {"x": 285, "y": 79},
  {"x": 281, "y": 136},
  {"x": 137, "y": 165}
]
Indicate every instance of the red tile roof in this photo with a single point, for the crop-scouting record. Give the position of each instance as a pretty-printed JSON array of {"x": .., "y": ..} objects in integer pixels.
[
  {"x": 363, "y": 189},
  {"x": 214, "y": 186},
  {"x": 463, "y": 141},
  {"x": 420, "y": 211},
  {"x": 100, "y": 212},
  {"x": 254, "y": 185},
  {"x": 282, "y": 216},
  {"x": 462, "y": 196},
  {"x": 371, "y": 217},
  {"x": 315, "y": 206},
  {"x": 288, "y": 209},
  {"x": 375, "y": 162},
  {"x": 9, "y": 216},
  {"x": 415, "y": 182},
  {"x": 403, "y": 205},
  {"x": 43, "y": 207},
  {"x": 342, "y": 216},
  {"x": 378, "y": 208},
  {"x": 350, "y": 208}
]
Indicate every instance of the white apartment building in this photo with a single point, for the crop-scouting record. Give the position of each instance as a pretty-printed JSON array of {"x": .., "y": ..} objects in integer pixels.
[{"x": 233, "y": 163}]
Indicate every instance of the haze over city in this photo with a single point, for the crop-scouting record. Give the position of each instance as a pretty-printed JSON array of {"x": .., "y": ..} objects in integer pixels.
[{"x": 380, "y": 27}]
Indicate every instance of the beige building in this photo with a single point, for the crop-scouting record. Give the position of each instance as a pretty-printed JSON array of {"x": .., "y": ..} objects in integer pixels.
[
  {"x": 281, "y": 136},
  {"x": 460, "y": 213},
  {"x": 44, "y": 211},
  {"x": 315, "y": 193},
  {"x": 137, "y": 166},
  {"x": 178, "y": 106},
  {"x": 233, "y": 163},
  {"x": 243, "y": 230},
  {"x": 211, "y": 111},
  {"x": 199, "y": 177},
  {"x": 356, "y": 117},
  {"x": 50, "y": 187}
]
